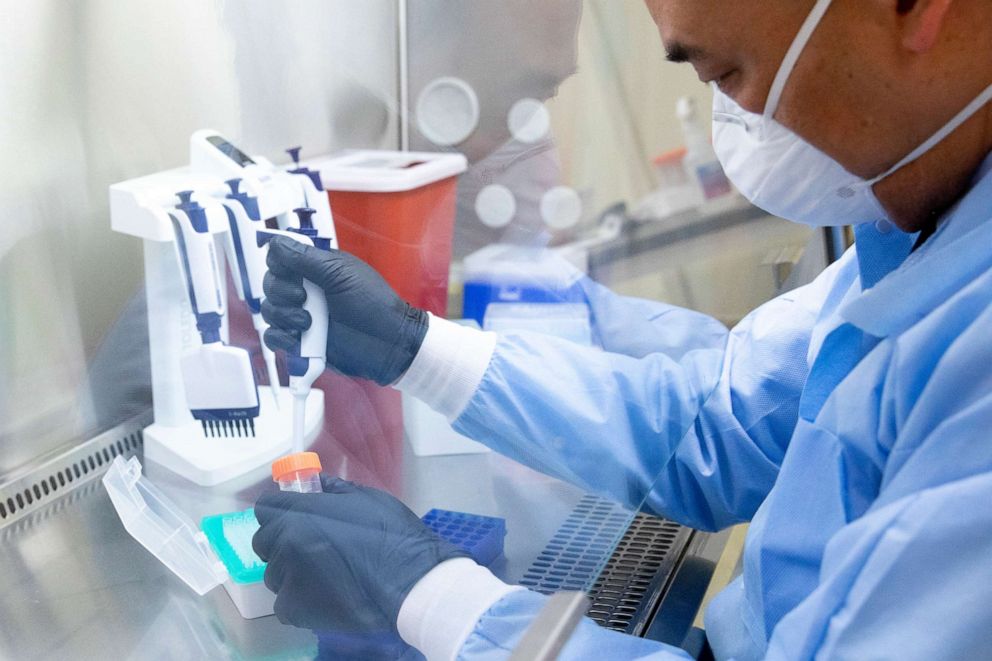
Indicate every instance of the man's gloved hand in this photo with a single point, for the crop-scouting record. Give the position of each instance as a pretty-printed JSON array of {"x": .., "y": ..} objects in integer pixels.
[
  {"x": 343, "y": 560},
  {"x": 372, "y": 333}
]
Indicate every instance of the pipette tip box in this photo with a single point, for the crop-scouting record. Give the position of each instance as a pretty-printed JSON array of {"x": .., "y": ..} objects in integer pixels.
[
  {"x": 479, "y": 536},
  {"x": 230, "y": 538}
]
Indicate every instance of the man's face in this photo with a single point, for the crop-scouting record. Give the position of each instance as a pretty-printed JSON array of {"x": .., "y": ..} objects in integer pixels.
[
  {"x": 875, "y": 80},
  {"x": 738, "y": 44},
  {"x": 843, "y": 95}
]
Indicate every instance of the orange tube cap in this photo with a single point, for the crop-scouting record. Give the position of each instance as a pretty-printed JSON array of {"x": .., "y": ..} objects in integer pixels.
[{"x": 292, "y": 463}]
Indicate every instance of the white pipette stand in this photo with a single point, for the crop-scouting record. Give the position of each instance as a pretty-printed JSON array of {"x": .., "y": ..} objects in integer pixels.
[{"x": 139, "y": 208}]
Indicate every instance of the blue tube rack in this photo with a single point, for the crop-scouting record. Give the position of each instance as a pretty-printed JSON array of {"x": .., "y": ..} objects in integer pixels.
[{"x": 479, "y": 536}]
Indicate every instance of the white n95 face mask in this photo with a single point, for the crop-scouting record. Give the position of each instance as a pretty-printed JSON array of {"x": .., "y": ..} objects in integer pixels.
[{"x": 786, "y": 176}]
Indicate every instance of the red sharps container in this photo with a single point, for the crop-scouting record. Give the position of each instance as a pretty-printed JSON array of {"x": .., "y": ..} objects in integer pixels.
[{"x": 396, "y": 211}]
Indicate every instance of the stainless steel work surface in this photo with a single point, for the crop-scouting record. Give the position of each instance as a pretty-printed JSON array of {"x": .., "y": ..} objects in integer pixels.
[{"x": 75, "y": 585}]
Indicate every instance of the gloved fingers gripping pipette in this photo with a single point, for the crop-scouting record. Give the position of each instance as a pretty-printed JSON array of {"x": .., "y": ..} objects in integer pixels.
[
  {"x": 374, "y": 334},
  {"x": 307, "y": 359},
  {"x": 219, "y": 382}
]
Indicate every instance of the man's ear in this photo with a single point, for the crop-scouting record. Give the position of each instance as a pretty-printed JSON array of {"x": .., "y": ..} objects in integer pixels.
[{"x": 922, "y": 22}]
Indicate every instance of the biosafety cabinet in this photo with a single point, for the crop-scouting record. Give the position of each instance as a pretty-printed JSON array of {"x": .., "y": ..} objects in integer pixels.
[{"x": 533, "y": 128}]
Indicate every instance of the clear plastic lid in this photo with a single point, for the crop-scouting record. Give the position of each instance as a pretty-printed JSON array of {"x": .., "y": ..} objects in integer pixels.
[{"x": 158, "y": 525}]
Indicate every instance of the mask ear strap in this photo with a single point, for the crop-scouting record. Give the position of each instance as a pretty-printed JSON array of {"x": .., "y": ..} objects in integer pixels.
[
  {"x": 939, "y": 136},
  {"x": 792, "y": 56}
]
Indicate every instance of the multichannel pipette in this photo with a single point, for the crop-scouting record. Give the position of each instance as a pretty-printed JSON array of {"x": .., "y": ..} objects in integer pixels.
[{"x": 220, "y": 385}]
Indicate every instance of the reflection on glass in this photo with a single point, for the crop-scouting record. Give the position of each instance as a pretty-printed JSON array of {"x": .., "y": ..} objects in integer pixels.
[{"x": 514, "y": 55}]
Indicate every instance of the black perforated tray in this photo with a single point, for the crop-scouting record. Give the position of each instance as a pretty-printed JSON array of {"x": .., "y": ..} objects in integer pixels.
[{"x": 628, "y": 587}]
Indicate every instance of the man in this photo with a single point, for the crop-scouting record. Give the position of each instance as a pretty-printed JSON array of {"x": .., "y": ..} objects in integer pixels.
[{"x": 848, "y": 420}]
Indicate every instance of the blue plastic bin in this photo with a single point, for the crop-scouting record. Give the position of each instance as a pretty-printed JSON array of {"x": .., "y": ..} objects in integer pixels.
[{"x": 503, "y": 273}]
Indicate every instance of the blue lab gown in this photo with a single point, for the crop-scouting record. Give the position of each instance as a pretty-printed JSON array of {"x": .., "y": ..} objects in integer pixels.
[{"x": 850, "y": 421}]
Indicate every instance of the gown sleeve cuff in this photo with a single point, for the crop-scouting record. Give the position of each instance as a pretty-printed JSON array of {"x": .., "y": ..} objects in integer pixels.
[
  {"x": 444, "y": 607},
  {"x": 449, "y": 366}
]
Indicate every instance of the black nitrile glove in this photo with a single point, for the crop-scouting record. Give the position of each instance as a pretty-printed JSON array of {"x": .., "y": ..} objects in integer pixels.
[
  {"x": 343, "y": 560},
  {"x": 372, "y": 333}
]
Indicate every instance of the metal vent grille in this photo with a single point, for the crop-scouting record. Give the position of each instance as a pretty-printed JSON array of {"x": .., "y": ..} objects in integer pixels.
[
  {"x": 628, "y": 590},
  {"x": 632, "y": 574},
  {"x": 54, "y": 477},
  {"x": 28, "y": 519},
  {"x": 583, "y": 543}
]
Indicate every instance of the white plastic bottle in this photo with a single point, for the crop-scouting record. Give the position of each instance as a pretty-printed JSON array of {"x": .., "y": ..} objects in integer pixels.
[{"x": 700, "y": 162}]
